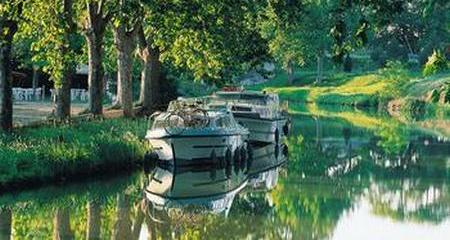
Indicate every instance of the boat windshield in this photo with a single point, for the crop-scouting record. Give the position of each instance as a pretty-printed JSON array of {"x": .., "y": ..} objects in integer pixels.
[{"x": 197, "y": 119}]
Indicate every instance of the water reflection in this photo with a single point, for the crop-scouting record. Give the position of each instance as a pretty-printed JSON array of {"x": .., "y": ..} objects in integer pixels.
[
  {"x": 341, "y": 181},
  {"x": 208, "y": 189}
]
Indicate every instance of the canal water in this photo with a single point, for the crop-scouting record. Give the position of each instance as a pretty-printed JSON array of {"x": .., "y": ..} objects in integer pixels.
[{"x": 350, "y": 176}]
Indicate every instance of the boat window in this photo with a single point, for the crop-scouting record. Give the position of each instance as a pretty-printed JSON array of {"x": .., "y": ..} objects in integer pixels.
[{"x": 241, "y": 109}]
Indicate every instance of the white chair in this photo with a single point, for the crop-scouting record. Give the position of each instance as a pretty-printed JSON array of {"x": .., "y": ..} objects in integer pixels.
[
  {"x": 28, "y": 94},
  {"x": 19, "y": 94},
  {"x": 84, "y": 95},
  {"x": 38, "y": 93}
]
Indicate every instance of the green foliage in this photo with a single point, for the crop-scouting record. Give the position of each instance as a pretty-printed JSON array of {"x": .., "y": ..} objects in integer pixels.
[
  {"x": 295, "y": 40},
  {"x": 397, "y": 76},
  {"x": 204, "y": 38},
  {"x": 413, "y": 109},
  {"x": 436, "y": 63},
  {"x": 51, "y": 152},
  {"x": 55, "y": 43}
]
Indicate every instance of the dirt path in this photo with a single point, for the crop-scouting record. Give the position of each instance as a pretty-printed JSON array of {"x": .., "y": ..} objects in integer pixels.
[{"x": 26, "y": 113}]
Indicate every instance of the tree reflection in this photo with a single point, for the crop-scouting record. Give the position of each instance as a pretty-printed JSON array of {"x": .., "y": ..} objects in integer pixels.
[
  {"x": 94, "y": 220},
  {"x": 122, "y": 225},
  {"x": 61, "y": 225},
  {"x": 5, "y": 223}
]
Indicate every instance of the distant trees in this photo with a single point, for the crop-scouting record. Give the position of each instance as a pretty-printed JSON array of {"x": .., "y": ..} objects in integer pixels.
[{"x": 298, "y": 31}]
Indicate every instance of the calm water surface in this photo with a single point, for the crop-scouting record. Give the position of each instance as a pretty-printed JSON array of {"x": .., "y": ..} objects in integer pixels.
[{"x": 349, "y": 177}]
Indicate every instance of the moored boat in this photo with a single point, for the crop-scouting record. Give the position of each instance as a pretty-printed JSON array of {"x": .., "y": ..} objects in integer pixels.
[
  {"x": 260, "y": 112},
  {"x": 191, "y": 131}
]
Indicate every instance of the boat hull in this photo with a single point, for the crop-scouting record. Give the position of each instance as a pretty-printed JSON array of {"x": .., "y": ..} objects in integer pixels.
[
  {"x": 263, "y": 130},
  {"x": 198, "y": 148}
]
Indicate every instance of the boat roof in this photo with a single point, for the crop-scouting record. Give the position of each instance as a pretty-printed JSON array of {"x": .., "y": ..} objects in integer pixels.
[{"x": 255, "y": 94}]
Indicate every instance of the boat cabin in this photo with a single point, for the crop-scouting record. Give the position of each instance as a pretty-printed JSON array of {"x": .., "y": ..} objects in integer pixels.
[{"x": 212, "y": 119}]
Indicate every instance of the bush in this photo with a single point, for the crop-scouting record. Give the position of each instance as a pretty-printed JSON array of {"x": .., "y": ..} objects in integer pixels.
[
  {"x": 436, "y": 63},
  {"x": 397, "y": 76},
  {"x": 414, "y": 109}
]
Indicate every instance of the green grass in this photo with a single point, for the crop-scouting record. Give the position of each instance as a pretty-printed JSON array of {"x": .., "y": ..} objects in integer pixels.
[
  {"x": 336, "y": 88},
  {"x": 35, "y": 155},
  {"x": 352, "y": 89}
]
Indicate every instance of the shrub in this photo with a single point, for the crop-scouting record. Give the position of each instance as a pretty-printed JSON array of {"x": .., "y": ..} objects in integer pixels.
[
  {"x": 414, "y": 109},
  {"x": 397, "y": 76},
  {"x": 436, "y": 63}
]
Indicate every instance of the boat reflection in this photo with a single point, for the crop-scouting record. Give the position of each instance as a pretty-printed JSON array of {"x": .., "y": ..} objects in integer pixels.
[
  {"x": 207, "y": 189},
  {"x": 210, "y": 189}
]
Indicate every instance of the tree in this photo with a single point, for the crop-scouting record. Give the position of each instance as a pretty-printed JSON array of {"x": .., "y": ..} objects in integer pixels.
[
  {"x": 151, "y": 71},
  {"x": 56, "y": 44},
  {"x": 285, "y": 42},
  {"x": 316, "y": 32},
  {"x": 99, "y": 13},
  {"x": 9, "y": 14},
  {"x": 125, "y": 28},
  {"x": 298, "y": 36},
  {"x": 349, "y": 31}
]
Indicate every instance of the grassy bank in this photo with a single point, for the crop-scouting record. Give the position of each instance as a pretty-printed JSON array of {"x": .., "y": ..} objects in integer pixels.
[
  {"x": 37, "y": 155},
  {"x": 367, "y": 89}
]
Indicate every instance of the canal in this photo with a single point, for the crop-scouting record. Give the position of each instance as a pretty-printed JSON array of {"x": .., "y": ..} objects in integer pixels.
[{"x": 349, "y": 175}]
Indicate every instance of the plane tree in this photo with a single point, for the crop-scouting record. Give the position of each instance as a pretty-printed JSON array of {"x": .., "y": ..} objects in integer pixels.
[
  {"x": 10, "y": 13},
  {"x": 56, "y": 44}
]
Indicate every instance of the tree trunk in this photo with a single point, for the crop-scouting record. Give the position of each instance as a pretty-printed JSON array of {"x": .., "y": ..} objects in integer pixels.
[
  {"x": 61, "y": 228},
  {"x": 348, "y": 64},
  {"x": 5, "y": 224},
  {"x": 35, "y": 82},
  {"x": 95, "y": 76},
  {"x": 149, "y": 96},
  {"x": 63, "y": 96},
  {"x": 95, "y": 27},
  {"x": 6, "y": 105},
  {"x": 138, "y": 221},
  {"x": 155, "y": 72},
  {"x": 290, "y": 72},
  {"x": 319, "y": 68},
  {"x": 151, "y": 228},
  {"x": 122, "y": 226},
  {"x": 94, "y": 220},
  {"x": 124, "y": 41}
]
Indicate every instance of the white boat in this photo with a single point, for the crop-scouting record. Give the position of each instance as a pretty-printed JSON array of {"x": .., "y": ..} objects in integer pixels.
[
  {"x": 260, "y": 112},
  {"x": 206, "y": 190},
  {"x": 189, "y": 132}
]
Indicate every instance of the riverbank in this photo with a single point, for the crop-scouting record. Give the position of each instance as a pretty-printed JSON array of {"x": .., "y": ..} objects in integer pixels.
[
  {"x": 398, "y": 89},
  {"x": 32, "y": 156}
]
